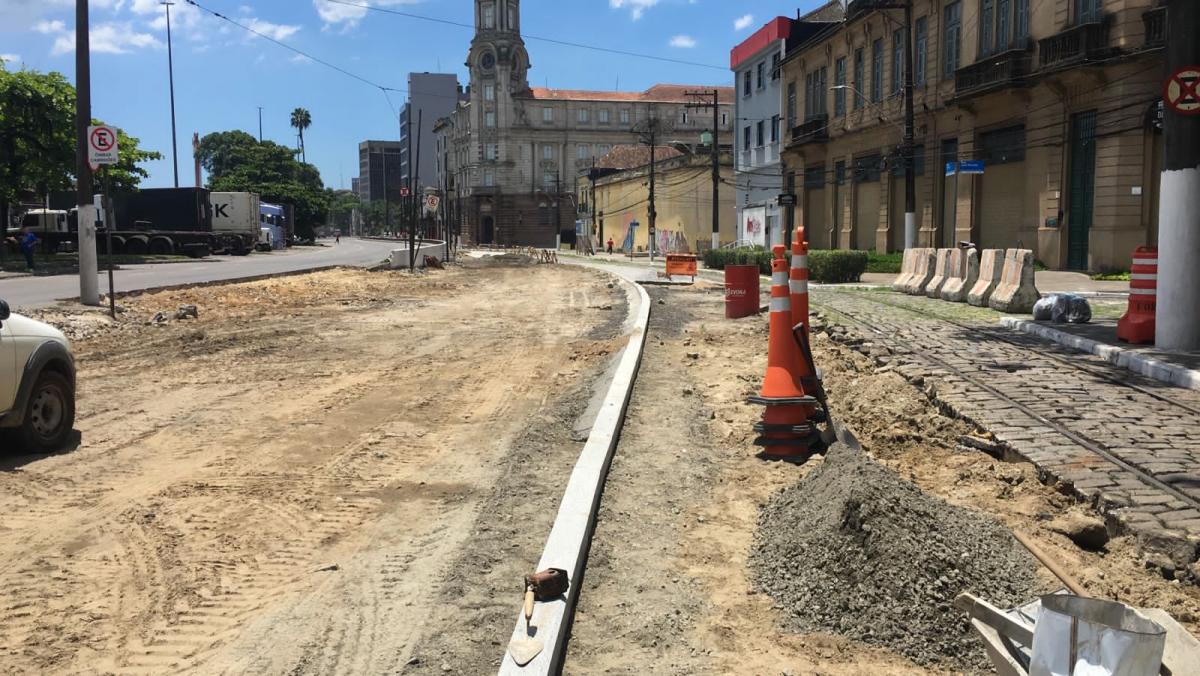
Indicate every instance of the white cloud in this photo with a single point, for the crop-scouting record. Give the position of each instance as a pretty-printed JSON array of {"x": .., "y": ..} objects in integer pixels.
[
  {"x": 114, "y": 37},
  {"x": 336, "y": 14},
  {"x": 10, "y": 59},
  {"x": 637, "y": 8},
  {"x": 683, "y": 41},
  {"x": 49, "y": 27},
  {"x": 743, "y": 22},
  {"x": 274, "y": 31}
]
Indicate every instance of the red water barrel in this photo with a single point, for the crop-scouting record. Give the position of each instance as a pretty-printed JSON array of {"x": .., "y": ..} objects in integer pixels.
[
  {"x": 1137, "y": 326},
  {"x": 741, "y": 291}
]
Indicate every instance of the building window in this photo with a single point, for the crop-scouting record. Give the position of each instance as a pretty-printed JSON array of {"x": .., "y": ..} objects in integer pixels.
[
  {"x": 549, "y": 179},
  {"x": 839, "y": 81},
  {"x": 814, "y": 94},
  {"x": 775, "y": 129},
  {"x": 582, "y": 115},
  {"x": 602, "y": 116},
  {"x": 547, "y": 114},
  {"x": 603, "y": 149},
  {"x": 491, "y": 151},
  {"x": 581, "y": 151},
  {"x": 877, "y": 71},
  {"x": 489, "y": 92},
  {"x": 684, "y": 118},
  {"x": 489, "y": 178},
  {"x": 776, "y": 71},
  {"x": 746, "y": 138},
  {"x": 867, "y": 169},
  {"x": 724, "y": 119},
  {"x": 759, "y": 135},
  {"x": 922, "y": 50},
  {"x": 547, "y": 151},
  {"x": 489, "y": 119},
  {"x": 489, "y": 17},
  {"x": 791, "y": 105},
  {"x": 1021, "y": 21},
  {"x": 859, "y": 76},
  {"x": 762, "y": 75},
  {"x": 897, "y": 60},
  {"x": 1087, "y": 11},
  {"x": 624, "y": 116},
  {"x": 951, "y": 38},
  {"x": 747, "y": 83},
  {"x": 814, "y": 177},
  {"x": 1003, "y": 23},
  {"x": 987, "y": 21},
  {"x": 1002, "y": 145},
  {"x": 839, "y": 172}
]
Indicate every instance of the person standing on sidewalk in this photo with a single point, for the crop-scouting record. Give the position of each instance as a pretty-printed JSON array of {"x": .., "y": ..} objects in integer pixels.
[
  {"x": 28, "y": 245},
  {"x": 610, "y": 244}
]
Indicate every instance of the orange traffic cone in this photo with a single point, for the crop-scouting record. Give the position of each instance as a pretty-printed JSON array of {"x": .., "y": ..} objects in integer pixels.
[
  {"x": 798, "y": 281},
  {"x": 786, "y": 429}
]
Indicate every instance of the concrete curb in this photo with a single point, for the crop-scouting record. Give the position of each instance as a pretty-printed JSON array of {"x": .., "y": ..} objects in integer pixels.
[
  {"x": 1171, "y": 374},
  {"x": 571, "y": 535}
]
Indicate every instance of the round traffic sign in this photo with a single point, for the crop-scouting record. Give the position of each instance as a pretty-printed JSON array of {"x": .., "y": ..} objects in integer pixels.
[
  {"x": 102, "y": 139},
  {"x": 1182, "y": 91}
]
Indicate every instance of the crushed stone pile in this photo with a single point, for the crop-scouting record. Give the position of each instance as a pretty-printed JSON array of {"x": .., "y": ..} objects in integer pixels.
[{"x": 852, "y": 549}]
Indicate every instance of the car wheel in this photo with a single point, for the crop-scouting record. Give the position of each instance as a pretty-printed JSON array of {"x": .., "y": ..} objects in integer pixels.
[{"x": 50, "y": 413}]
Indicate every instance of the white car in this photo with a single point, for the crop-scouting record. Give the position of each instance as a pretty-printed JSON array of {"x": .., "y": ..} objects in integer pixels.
[{"x": 37, "y": 383}]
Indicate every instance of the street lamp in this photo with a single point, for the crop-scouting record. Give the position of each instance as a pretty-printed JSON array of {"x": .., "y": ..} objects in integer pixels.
[{"x": 171, "y": 74}]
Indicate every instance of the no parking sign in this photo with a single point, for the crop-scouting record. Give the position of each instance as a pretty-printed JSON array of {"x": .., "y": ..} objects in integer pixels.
[
  {"x": 1182, "y": 91},
  {"x": 102, "y": 145}
]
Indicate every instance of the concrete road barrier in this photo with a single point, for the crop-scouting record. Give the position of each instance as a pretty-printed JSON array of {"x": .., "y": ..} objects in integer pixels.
[
  {"x": 399, "y": 257},
  {"x": 923, "y": 272},
  {"x": 966, "y": 273},
  {"x": 991, "y": 266},
  {"x": 907, "y": 269},
  {"x": 1016, "y": 292},
  {"x": 942, "y": 270}
]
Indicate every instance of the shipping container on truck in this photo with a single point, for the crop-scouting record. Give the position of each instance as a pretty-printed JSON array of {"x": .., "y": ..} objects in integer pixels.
[{"x": 236, "y": 217}]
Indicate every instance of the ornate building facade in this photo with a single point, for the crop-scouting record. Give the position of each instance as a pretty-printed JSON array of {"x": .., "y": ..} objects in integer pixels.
[{"x": 511, "y": 154}]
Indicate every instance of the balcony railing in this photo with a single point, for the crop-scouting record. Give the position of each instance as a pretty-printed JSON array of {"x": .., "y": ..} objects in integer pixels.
[
  {"x": 1155, "y": 22},
  {"x": 998, "y": 71},
  {"x": 1078, "y": 44},
  {"x": 815, "y": 129}
]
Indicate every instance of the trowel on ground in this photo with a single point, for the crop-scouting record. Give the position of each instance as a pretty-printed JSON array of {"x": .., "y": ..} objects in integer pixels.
[
  {"x": 834, "y": 431},
  {"x": 544, "y": 586}
]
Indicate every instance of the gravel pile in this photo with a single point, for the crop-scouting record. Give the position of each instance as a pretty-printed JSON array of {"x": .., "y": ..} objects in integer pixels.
[{"x": 853, "y": 549}]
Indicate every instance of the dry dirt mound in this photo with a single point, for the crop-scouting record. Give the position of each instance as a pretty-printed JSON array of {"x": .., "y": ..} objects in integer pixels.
[
  {"x": 512, "y": 260},
  {"x": 855, "y": 550}
]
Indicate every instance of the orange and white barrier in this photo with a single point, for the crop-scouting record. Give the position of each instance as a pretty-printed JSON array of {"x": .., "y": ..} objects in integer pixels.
[{"x": 1138, "y": 324}]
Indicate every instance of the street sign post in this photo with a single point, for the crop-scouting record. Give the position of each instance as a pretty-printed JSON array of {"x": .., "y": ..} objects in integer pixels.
[
  {"x": 787, "y": 199},
  {"x": 1182, "y": 91},
  {"x": 431, "y": 203},
  {"x": 102, "y": 151}
]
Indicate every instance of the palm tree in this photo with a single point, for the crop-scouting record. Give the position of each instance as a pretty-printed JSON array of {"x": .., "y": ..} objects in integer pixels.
[{"x": 301, "y": 120}]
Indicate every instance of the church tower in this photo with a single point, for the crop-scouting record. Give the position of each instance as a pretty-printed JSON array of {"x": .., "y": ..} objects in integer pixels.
[{"x": 498, "y": 62}]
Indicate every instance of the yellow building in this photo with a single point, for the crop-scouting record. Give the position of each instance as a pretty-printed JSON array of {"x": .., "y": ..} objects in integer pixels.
[
  {"x": 683, "y": 199},
  {"x": 1060, "y": 100}
]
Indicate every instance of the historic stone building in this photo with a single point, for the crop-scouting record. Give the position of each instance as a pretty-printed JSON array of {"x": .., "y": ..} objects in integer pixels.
[
  {"x": 1059, "y": 100},
  {"x": 512, "y": 153}
]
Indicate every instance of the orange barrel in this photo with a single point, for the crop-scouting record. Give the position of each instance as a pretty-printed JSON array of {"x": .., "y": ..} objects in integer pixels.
[
  {"x": 741, "y": 291},
  {"x": 1137, "y": 326}
]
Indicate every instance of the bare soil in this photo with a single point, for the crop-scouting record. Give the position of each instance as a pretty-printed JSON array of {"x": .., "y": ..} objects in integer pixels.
[
  {"x": 341, "y": 472},
  {"x": 667, "y": 587}
]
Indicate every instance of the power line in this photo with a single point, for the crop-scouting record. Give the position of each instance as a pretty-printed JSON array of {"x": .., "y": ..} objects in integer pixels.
[{"x": 564, "y": 43}]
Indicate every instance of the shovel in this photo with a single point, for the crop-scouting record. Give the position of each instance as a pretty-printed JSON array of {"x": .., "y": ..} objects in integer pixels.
[{"x": 834, "y": 431}]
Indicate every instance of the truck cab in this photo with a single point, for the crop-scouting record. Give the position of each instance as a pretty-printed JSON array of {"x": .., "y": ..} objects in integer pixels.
[{"x": 46, "y": 221}]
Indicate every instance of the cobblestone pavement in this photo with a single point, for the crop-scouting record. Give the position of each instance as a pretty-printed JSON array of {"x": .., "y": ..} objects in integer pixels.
[{"x": 1133, "y": 453}]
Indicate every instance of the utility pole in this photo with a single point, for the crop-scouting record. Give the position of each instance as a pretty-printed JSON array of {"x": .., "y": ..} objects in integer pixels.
[
  {"x": 702, "y": 102},
  {"x": 592, "y": 178},
  {"x": 171, "y": 75},
  {"x": 649, "y": 132},
  {"x": 910, "y": 172},
  {"x": 414, "y": 208},
  {"x": 1179, "y": 202},
  {"x": 260, "y": 124},
  {"x": 85, "y": 214}
]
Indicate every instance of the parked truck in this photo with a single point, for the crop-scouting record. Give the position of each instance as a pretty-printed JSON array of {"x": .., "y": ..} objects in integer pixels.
[
  {"x": 271, "y": 221},
  {"x": 236, "y": 217}
]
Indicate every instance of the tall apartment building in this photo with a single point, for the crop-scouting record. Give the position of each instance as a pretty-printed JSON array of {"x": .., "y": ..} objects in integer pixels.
[
  {"x": 512, "y": 152},
  {"x": 380, "y": 170},
  {"x": 1059, "y": 99},
  {"x": 431, "y": 96},
  {"x": 760, "y": 103}
]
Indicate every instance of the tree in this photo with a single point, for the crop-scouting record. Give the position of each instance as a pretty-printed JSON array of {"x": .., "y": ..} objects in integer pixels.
[
  {"x": 301, "y": 120},
  {"x": 342, "y": 204},
  {"x": 37, "y": 134},
  {"x": 237, "y": 162},
  {"x": 126, "y": 175}
]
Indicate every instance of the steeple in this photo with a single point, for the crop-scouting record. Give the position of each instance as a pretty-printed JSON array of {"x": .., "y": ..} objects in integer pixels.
[{"x": 497, "y": 52}]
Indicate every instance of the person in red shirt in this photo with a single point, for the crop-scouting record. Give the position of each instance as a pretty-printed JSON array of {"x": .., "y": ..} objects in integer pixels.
[{"x": 610, "y": 244}]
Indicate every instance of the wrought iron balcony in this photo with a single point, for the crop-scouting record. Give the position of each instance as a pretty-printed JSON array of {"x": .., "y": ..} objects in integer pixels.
[
  {"x": 999, "y": 71},
  {"x": 815, "y": 129},
  {"x": 1077, "y": 45},
  {"x": 1155, "y": 22}
]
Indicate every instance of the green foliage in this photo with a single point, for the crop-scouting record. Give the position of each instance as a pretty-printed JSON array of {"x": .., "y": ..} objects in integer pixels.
[
  {"x": 301, "y": 120},
  {"x": 126, "y": 175},
  {"x": 884, "y": 263},
  {"x": 342, "y": 204},
  {"x": 837, "y": 266},
  {"x": 1112, "y": 276},
  {"x": 827, "y": 267},
  {"x": 237, "y": 162}
]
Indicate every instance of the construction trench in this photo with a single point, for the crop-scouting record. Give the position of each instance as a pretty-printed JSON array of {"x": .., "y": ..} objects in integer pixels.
[{"x": 161, "y": 545}]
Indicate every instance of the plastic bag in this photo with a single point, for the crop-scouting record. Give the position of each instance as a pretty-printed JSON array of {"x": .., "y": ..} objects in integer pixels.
[{"x": 1063, "y": 308}]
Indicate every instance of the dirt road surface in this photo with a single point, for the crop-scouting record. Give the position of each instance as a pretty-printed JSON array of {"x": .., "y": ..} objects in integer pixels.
[{"x": 343, "y": 472}]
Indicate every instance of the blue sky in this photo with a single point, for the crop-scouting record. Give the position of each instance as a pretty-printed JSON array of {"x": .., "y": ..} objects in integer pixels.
[{"x": 223, "y": 74}]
